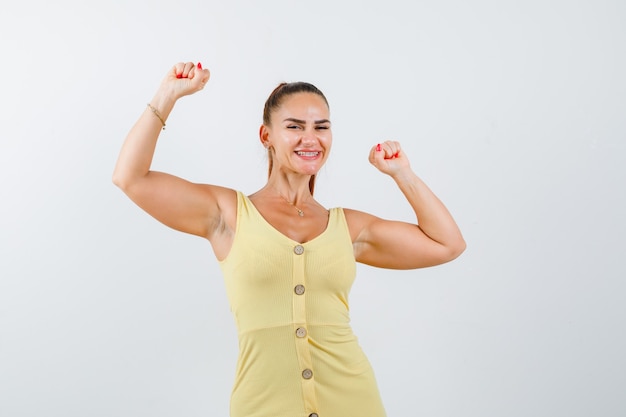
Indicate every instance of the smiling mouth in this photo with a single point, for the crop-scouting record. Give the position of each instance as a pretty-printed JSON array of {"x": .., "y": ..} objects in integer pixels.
[{"x": 308, "y": 154}]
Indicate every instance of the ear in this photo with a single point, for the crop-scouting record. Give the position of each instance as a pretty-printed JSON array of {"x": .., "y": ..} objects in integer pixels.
[{"x": 264, "y": 136}]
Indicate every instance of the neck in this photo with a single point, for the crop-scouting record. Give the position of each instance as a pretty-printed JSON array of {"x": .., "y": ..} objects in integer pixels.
[
  {"x": 294, "y": 189},
  {"x": 292, "y": 203}
]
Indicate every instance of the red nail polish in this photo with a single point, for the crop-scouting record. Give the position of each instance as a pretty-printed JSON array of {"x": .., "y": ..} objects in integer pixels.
[
  {"x": 378, "y": 148},
  {"x": 199, "y": 65},
  {"x": 179, "y": 75}
]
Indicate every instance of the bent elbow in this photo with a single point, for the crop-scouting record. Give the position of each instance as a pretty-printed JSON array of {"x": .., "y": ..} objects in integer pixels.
[
  {"x": 457, "y": 248},
  {"x": 120, "y": 180},
  {"x": 115, "y": 180}
]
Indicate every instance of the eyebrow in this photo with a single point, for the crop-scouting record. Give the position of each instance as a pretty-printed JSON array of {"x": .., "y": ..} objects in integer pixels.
[{"x": 303, "y": 122}]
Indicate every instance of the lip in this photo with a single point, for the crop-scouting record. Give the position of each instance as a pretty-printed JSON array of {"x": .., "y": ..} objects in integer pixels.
[{"x": 309, "y": 154}]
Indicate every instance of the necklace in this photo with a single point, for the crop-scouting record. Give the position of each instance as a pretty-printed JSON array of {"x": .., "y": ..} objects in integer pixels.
[{"x": 300, "y": 212}]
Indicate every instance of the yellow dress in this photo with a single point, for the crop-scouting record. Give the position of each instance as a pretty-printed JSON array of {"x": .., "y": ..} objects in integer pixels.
[{"x": 298, "y": 356}]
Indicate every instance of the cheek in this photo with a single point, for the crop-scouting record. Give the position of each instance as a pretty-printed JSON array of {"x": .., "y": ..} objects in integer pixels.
[{"x": 329, "y": 142}]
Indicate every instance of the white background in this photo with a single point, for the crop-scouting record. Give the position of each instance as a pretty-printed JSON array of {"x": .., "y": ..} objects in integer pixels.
[{"x": 512, "y": 111}]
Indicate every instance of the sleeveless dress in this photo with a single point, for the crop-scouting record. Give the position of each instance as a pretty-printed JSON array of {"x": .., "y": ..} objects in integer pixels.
[{"x": 298, "y": 356}]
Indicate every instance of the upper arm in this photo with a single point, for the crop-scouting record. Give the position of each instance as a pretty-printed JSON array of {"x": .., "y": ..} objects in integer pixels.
[
  {"x": 198, "y": 209},
  {"x": 393, "y": 244}
]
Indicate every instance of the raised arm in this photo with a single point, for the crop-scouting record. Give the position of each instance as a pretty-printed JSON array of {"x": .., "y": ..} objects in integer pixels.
[
  {"x": 180, "y": 204},
  {"x": 433, "y": 240}
]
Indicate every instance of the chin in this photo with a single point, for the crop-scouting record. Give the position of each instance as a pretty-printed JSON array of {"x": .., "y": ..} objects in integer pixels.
[{"x": 312, "y": 171}]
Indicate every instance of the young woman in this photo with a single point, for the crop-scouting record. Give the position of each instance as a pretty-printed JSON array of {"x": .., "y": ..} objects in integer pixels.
[{"x": 288, "y": 262}]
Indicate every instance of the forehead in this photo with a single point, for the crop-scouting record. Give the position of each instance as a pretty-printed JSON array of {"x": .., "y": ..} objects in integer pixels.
[{"x": 304, "y": 105}]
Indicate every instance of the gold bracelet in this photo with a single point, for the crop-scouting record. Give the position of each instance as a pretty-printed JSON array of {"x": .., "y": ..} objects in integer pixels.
[{"x": 157, "y": 114}]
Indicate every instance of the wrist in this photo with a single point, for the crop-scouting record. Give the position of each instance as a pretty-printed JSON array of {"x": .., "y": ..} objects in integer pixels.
[
  {"x": 162, "y": 104},
  {"x": 164, "y": 99},
  {"x": 404, "y": 175}
]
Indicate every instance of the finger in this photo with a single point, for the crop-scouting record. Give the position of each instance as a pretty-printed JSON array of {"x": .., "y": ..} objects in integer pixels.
[
  {"x": 200, "y": 74},
  {"x": 387, "y": 149},
  {"x": 182, "y": 69},
  {"x": 187, "y": 69},
  {"x": 377, "y": 155},
  {"x": 373, "y": 150},
  {"x": 205, "y": 73},
  {"x": 178, "y": 69},
  {"x": 198, "y": 77},
  {"x": 392, "y": 149}
]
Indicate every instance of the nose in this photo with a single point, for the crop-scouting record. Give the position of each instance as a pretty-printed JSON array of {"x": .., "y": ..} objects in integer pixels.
[{"x": 309, "y": 136}]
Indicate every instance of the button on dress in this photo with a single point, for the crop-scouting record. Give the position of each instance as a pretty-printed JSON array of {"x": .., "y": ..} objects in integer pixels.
[{"x": 298, "y": 356}]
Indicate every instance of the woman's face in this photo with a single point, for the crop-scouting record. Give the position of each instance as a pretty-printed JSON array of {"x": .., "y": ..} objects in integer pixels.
[{"x": 300, "y": 134}]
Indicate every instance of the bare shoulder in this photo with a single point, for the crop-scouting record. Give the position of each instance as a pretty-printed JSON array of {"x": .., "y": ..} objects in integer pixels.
[
  {"x": 357, "y": 222},
  {"x": 226, "y": 197}
]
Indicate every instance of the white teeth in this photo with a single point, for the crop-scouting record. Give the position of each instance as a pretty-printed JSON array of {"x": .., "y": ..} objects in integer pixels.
[{"x": 308, "y": 153}]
